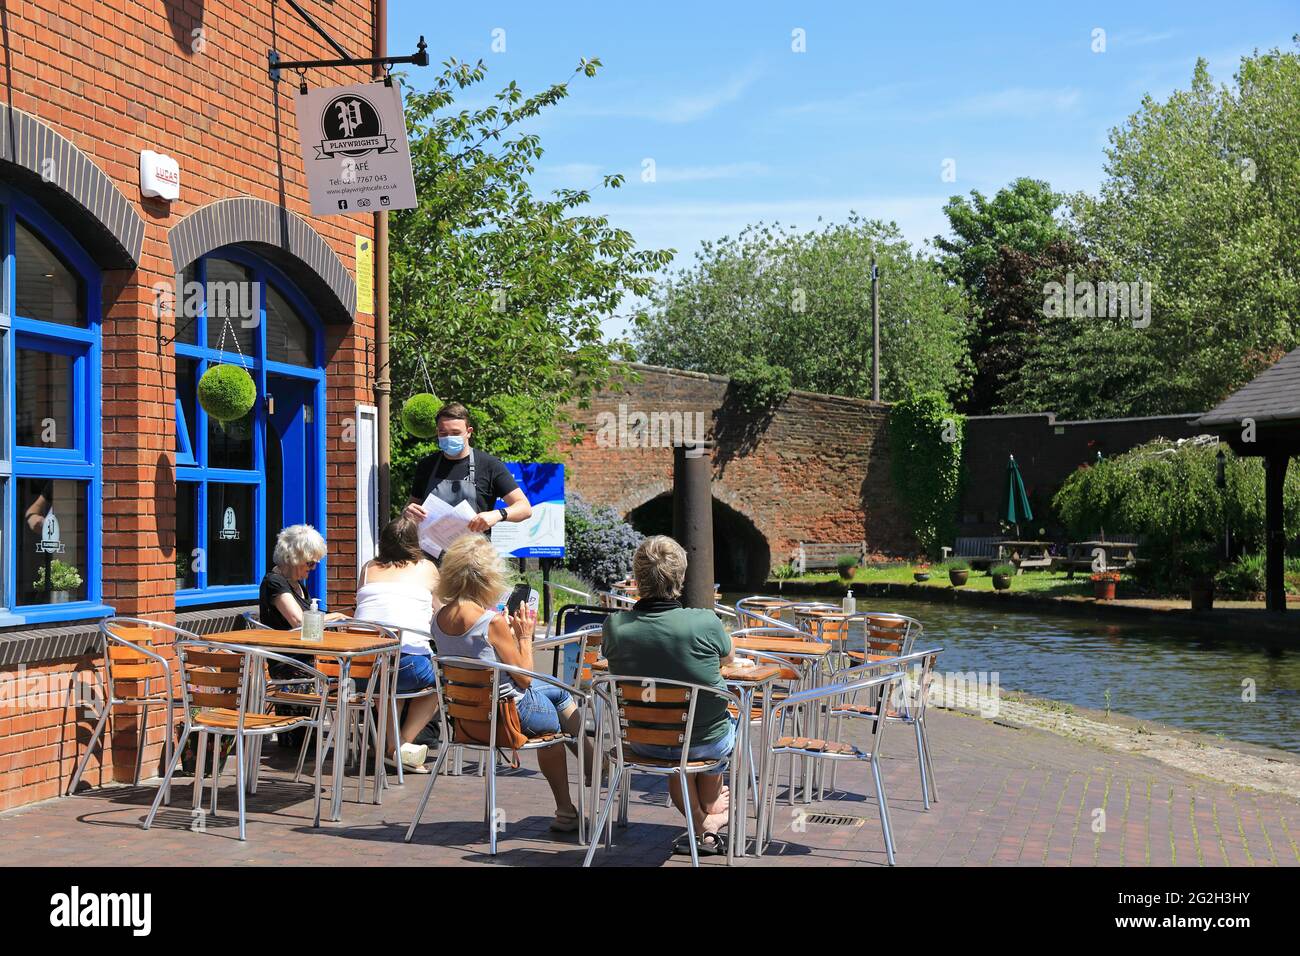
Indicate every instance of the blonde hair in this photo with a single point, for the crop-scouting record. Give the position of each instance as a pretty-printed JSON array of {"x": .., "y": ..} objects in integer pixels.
[
  {"x": 659, "y": 567},
  {"x": 471, "y": 571}
]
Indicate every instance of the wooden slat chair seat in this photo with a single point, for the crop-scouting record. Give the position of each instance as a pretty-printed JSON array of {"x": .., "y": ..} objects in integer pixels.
[
  {"x": 467, "y": 693},
  {"x": 229, "y": 719},
  {"x": 137, "y": 675},
  {"x": 215, "y": 683},
  {"x": 816, "y": 745}
]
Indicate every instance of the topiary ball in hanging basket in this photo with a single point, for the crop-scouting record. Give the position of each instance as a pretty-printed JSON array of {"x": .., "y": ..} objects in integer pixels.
[
  {"x": 420, "y": 415},
  {"x": 227, "y": 392}
]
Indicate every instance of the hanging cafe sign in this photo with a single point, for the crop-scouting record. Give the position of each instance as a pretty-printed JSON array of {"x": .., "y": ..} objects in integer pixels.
[
  {"x": 353, "y": 137},
  {"x": 354, "y": 149}
]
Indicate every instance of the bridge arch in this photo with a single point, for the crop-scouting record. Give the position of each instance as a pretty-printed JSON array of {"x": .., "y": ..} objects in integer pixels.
[{"x": 742, "y": 555}]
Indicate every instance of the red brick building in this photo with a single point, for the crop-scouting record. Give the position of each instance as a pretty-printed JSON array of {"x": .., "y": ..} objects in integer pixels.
[{"x": 119, "y": 496}]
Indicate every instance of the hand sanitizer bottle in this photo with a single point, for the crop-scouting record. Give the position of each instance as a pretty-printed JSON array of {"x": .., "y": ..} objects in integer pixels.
[
  {"x": 313, "y": 624},
  {"x": 850, "y": 605}
]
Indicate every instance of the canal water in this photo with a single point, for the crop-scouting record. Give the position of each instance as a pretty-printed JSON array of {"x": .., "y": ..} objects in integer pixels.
[{"x": 1187, "y": 680}]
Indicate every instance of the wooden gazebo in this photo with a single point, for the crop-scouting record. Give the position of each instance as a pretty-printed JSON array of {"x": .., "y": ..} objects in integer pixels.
[{"x": 1262, "y": 419}]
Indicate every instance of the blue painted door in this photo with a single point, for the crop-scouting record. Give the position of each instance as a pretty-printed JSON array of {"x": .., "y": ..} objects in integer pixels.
[{"x": 290, "y": 460}]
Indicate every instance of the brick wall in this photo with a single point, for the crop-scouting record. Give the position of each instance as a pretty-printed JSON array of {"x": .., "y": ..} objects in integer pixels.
[
  {"x": 816, "y": 469},
  {"x": 186, "y": 78},
  {"x": 1047, "y": 452}
]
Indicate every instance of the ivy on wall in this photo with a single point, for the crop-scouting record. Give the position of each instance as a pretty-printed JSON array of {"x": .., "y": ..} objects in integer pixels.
[{"x": 925, "y": 437}]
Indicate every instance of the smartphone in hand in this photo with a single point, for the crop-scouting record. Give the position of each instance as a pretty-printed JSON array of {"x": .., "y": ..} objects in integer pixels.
[{"x": 517, "y": 597}]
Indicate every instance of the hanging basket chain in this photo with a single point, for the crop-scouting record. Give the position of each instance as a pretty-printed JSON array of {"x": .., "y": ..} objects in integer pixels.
[{"x": 221, "y": 343}]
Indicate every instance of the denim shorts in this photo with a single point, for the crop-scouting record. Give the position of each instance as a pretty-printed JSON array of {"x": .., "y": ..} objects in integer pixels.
[
  {"x": 721, "y": 747},
  {"x": 539, "y": 708},
  {"x": 414, "y": 672}
]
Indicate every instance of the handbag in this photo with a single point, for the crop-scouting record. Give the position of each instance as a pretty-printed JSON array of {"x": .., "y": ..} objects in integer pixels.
[{"x": 510, "y": 733}]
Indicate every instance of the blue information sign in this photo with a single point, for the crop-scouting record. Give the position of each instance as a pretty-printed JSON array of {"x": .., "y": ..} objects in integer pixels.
[{"x": 542, "y": 535}]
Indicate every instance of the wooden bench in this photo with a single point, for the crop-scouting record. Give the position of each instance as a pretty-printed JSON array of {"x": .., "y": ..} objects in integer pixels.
[{"x": 822, "y": 555}]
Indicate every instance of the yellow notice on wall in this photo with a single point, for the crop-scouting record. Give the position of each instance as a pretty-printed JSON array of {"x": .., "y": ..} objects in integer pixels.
[{"x": 365, "y": 275}]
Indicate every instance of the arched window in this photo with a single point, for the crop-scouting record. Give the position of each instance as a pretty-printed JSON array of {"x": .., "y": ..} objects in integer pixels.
[
  {"x": 50, "y": 310},
  {"x": 239, "y": 484}
]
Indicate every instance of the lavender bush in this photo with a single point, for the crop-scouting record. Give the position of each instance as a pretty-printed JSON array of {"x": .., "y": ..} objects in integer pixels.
[{"x": 598, "y": 543}]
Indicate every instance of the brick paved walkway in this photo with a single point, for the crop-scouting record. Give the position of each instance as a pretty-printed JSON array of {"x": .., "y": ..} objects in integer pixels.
[{"x": 1007, "y": 796}]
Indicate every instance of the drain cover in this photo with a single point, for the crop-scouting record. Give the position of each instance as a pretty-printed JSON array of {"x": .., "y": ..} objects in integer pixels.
[{"x": 834, "y": 820}]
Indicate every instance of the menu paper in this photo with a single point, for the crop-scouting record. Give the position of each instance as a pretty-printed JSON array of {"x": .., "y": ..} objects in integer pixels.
[{"x": 444, "y": 524}]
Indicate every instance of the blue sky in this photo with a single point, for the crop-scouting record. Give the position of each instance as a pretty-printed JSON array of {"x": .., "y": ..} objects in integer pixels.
[{"x": 884, "y": 101}]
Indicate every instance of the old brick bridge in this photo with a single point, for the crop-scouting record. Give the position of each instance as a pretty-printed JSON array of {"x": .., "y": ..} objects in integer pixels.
[{"x": 816, "y": 468}]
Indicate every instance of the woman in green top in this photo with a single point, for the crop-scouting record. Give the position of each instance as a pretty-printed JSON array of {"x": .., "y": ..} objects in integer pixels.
[{"x": 660, "y": 638}]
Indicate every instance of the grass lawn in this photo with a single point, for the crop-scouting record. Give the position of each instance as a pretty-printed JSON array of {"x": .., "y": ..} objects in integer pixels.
[{"x": 1050, "y": 583}]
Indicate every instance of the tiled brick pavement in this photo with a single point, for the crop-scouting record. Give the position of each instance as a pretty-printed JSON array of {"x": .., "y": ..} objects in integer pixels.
[{"x": 1007, "y": 797}]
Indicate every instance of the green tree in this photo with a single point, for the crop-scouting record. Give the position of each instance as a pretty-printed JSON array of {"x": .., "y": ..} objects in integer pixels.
[
  {"x": 802, "y": 301},
  {"x": 1166, "y": 492},
  {"x": 497, "y": 294},
  {"x": 1200, "y": 200},
  {"x": 999, "y": 247}
]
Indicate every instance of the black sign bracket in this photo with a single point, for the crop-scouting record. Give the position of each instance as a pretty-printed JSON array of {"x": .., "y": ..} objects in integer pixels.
[{"x": 274, "y": 64}]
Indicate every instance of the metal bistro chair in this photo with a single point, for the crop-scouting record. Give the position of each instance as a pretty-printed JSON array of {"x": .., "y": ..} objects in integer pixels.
[
  {"x": 657, "y": 712},
  {"x": 396, "y": 700},
  {"x": 835, "y": 751},
  {"x": 469, "y": 689},
  {"x": 909, "y": 708},
  {"x": 759, "y": 610},
  {"x": 215, "y": 684},
  {"x": 796, "y": 674},
  {"x": 884, "y": 635},
  {"x": 128, "y": 648},
  {"x": 358, "y": 708}
]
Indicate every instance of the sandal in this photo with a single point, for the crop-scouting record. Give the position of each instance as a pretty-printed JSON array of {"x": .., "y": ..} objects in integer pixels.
[
  {"x": 709, "y": 844},
  {"x": 565, "y": 822}
]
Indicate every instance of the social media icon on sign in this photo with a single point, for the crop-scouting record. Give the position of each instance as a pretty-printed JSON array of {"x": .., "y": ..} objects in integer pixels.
[
  {"x": 384, "y": 200},
  {"x": 343, "y": 204}
]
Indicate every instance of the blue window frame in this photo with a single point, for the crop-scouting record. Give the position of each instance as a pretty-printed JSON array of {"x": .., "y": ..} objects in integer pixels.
[
  {"x": 233, "y": 483},
  {"x": 50, "y": 452}
]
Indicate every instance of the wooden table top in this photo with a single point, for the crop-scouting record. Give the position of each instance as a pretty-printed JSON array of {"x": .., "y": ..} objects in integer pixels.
[
  {"x": 343, "y": 643},
  {"x": 731, "y": 673},
  {"x": 782, "y": 645}
]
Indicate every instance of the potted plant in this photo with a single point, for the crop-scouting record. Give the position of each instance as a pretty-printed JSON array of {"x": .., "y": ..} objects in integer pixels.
[
  {"x": 1001, "y": 575},
  {"x": 958, "y": 572},
  {"x": 848, "y": 565},
  {"x": 1103, "y": 585},
  {"x": 922, "y": 572},
  {"x": 63, "y": 580},
  {"x": 782, "y": 573}
]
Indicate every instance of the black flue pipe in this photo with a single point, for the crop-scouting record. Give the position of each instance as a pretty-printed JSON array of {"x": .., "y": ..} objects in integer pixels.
[{"x": 693, "y": 519}]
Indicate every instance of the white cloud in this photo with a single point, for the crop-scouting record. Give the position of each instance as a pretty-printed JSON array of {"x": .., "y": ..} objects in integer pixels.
[
  {"x": 681, "y": 108},
  {"x": 1011, "y": 102}
]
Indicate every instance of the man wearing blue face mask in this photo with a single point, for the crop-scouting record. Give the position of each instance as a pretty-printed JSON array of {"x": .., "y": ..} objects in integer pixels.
[{"x": 459, "y": 473}]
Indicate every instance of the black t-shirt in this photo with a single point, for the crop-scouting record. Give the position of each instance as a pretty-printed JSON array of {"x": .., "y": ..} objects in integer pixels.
[
  {"x": 492, "y": 480},
  {"x": 273, "y": 585}
]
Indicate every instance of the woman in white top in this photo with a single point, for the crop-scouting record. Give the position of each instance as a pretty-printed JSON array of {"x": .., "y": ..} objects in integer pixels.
[{"x": 397, "y": 589}]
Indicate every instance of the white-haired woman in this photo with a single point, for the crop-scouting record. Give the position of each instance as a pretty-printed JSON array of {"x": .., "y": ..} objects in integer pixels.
[
  {"x": 659, "y": 638},
  {"x": 283, "y": 595}
]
